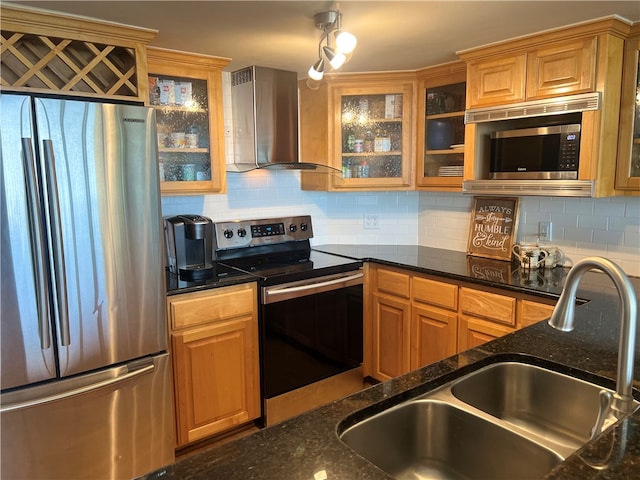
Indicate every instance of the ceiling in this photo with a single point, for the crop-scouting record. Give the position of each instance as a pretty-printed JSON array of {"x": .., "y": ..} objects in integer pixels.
[{"x": 392, "y": 35}]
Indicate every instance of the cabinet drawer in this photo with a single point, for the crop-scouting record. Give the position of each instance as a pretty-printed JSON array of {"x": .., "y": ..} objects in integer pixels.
[
  {"x": 393, "y": 282},
  {"x": 488, "y": 305},
  {"x": 436, "y": 293},
  {"x": 213, "y": 305},
  {"x": 532, "y": 312}
]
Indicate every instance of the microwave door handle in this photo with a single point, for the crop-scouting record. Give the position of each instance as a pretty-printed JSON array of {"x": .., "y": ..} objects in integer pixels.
[
  {"x": 56, "y": 240},
  {"x": 36, "y": 237}
]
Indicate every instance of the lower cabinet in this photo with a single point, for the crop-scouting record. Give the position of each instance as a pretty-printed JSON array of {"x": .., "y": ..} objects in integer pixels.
[
  {"x": 417, "y": 319},
  {"x": 391, "y": 330},
  {"x": 214, "y": 345}
]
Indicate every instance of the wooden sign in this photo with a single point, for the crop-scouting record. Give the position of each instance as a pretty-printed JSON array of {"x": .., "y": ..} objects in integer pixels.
[{"x": 494, "y": 221}]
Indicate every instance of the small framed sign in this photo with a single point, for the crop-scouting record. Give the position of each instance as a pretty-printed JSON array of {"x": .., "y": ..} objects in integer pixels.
[{"x": 494, "y": 221}]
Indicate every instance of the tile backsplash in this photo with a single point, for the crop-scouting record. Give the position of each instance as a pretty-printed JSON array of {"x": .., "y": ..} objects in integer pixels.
[{"x": 580, "y": 227}]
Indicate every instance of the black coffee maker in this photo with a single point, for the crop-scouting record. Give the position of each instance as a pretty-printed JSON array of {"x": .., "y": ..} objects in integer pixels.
[{"x": 189, "y": 246}]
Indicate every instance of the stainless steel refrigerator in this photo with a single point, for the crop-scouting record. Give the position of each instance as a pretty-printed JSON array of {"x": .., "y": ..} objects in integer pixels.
[{"x": 86, "y": 385}]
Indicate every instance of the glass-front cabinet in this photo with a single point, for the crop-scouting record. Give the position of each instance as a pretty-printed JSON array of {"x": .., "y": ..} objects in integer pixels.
[
  {"x": 369, "y": 133},
  {"x": 186, "y": 91},
  {"x": 628, "y": 162},
  {"x": 440, "y": 156}
]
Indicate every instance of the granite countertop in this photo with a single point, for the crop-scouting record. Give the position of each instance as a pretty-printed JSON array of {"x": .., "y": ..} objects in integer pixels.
[{"x": 308, "y": 447}]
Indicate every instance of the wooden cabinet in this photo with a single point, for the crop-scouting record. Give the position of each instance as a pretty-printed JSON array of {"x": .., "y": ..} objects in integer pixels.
[
  {"x": 362, "y": 127},
  {"x": 49, "y": 52},
  {"x": 186, "y": 91},
  {"x": 414, "y": 322},
  {"x": 496, "y": 81},
  {"x": 214, "y": 344},
  {"x": 532, "y": 312},
  {"x": 440, "y": 132},
  {"x": 580, "y": 59},
  {"x": 434, "y": 321},
  {"x": 556, "y": 69},
  {"x": 391, "y": 324},
  {"x": 628, "y": 167},
  {"x": 391, "y": 336},
  {"x": 484, "y": 316},
  {"x": 418, "y": 319},
  {"x": 562, "y": 68}
]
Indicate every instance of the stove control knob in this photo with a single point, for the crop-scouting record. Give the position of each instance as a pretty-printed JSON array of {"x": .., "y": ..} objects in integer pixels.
[
  {"x": 242, "y": 232},
  {"x": 303, "y": 227},
  {"x": 228, "y": 233},
  {"x": 292, "y": 228}
]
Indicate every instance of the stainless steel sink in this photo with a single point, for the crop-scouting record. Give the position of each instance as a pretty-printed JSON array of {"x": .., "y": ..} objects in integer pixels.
[
  {"x": 561, "y": 408},
  {"x": 435, "y": 440},
  {"x": 506, "y": 420}
]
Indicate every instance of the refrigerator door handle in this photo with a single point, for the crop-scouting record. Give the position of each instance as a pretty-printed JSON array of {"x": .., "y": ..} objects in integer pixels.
[
  {"x": 77, "y": 391},
  {"x": 56, "y": 240},
  {"x": 37, "y": 245}
]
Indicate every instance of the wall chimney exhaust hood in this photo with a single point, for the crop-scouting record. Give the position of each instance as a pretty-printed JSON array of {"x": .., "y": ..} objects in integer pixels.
[{"x": 265, "y": 121}]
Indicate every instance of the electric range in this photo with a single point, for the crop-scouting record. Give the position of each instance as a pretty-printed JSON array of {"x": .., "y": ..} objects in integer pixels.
[{"x": 310, "y": 317}]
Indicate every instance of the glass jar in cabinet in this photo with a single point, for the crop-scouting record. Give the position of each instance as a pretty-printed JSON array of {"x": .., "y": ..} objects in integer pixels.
[
  {"x": 628, "y": 161},
  {"x": 372, "y": 137},
  {"x": 359, "y": 125},
  {"x": 186, "y": 91},
  {"x": 440, "y": 162}
]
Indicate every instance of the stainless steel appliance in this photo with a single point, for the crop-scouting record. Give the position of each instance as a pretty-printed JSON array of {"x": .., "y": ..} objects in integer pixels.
[
  {"x": 86, "y": 387},
  {"x": 537, "y": 165},
  {"x": 548, "y": 152},
  {"x": 265, "y": 120},
  {"x": 311, "y": 321},
  {"x": 189, "y": 246}
]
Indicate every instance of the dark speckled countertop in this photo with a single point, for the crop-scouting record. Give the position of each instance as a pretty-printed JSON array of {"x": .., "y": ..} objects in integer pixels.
[{"x": 308, "y": 445}]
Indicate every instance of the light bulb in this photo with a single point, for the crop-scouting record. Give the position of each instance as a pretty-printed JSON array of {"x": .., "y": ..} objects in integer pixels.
[
  {"x": 336, "y": 59},
  {"x": 346, "y": 42},
  {"x": 316, "y": 71}
]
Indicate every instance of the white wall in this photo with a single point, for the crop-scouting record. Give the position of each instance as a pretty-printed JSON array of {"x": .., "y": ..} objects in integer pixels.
[{"x": 581, "y": 227}]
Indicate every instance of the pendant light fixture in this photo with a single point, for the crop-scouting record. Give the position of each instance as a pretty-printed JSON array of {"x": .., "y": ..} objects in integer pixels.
[{"x": 335, "y": 45}]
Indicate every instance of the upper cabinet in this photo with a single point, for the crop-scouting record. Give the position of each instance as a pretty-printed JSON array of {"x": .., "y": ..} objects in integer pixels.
[
  {"x": 361, "y": 126},
  {"x": 548, "y": 70},
  {"x": 440, "y": 132},
  {"x": 628, "y": 171},
  {"x": 579, "y": 59},
  {"x": 186, "y": 91},
  {"x": 48, "y": 52}
]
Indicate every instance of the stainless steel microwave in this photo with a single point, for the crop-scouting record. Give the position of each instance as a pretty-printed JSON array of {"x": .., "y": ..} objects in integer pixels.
[{"x": 547, "y": 153}]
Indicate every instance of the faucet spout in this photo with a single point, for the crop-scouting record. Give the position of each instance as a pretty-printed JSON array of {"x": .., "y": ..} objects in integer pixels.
[{"x": 564, "y": 314}]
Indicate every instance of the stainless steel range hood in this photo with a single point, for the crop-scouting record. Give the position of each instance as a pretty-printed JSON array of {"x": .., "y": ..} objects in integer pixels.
[{"x": 265, "y": 120}]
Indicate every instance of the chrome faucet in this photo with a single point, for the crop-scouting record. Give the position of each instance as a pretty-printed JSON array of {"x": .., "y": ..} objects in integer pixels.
[{"x": 563, "y": 317}]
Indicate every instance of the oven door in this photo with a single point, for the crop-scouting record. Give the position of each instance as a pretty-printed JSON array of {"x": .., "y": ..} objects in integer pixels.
[{"x": 310, "y": 330}]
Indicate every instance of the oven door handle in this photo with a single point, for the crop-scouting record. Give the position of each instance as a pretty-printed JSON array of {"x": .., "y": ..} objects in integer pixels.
[{"x": 270, "y": 293}]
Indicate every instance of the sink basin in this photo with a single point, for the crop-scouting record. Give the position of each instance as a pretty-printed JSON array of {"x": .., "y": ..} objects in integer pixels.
[
  {"x": 558, "y": 407},
  {"x": 506, "y": 420},
  {"x": 432, "y": 439}
]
